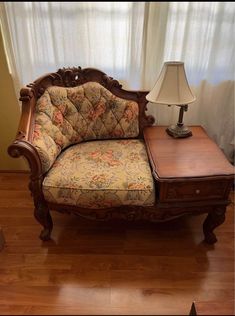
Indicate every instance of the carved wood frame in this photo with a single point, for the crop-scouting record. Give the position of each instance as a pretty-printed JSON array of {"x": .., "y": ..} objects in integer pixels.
[{"x": 22, "y": 146}]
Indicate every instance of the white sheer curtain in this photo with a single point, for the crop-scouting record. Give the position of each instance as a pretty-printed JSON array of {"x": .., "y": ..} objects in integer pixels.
[
  {"x": 130, "y": 41},
  {"x": 50, "y": 35}
]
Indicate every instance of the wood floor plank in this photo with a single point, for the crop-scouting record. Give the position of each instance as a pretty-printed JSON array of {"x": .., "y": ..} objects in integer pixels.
[
  {"x": 108, "y": 268},
  {"x": 212, "y": 307}
]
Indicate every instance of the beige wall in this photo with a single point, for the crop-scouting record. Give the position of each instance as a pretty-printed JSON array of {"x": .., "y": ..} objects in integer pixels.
[{"x": 9, "y": 115}]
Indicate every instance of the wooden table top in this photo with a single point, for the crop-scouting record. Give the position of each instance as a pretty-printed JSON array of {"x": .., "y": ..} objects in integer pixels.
[{"x": 195, "y": 156}]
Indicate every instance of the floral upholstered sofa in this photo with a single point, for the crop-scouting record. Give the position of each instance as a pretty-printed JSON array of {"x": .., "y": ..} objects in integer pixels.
[{"x": 82, "y": 135}]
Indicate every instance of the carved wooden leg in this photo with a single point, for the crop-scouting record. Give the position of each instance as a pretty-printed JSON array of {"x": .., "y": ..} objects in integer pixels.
[
  {"x": 42, "y": 215},
  {"x": 213, "y": 220}
]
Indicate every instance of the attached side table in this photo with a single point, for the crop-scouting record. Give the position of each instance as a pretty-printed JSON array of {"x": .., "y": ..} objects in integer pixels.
[{"x": 192, "y": 175}]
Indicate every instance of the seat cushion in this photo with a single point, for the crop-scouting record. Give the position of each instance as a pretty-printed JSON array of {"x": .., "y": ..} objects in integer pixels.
[{"x": 101, "y": 174}]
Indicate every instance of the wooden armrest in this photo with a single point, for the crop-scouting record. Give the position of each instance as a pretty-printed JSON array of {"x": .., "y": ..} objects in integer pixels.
[
  {"x": 22, "y": 145},
  {"x": 26, "y": 120}
]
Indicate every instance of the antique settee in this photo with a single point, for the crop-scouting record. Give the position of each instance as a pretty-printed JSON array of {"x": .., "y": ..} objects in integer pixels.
[{"x": 82, "y": 135}]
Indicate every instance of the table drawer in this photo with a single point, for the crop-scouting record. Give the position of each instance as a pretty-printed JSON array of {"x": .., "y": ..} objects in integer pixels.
[{"x": 193, "y": 191}]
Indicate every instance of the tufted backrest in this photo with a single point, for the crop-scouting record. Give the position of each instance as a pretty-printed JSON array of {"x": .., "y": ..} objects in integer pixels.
[{"x": 66, "y": 116}]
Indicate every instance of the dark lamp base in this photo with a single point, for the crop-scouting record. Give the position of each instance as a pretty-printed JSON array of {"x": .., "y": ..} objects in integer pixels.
[{"x": 178, "y": 131}]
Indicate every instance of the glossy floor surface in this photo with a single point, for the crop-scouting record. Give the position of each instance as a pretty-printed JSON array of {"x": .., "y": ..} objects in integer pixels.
[{"x": 108, "y": 268}]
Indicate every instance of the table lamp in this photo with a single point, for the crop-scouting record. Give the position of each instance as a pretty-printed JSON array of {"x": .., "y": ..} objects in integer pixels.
[{"x": 172, "y": 88}]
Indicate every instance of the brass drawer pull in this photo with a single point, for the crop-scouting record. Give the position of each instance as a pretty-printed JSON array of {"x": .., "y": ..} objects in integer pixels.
[{"x": 197, "y": 191}]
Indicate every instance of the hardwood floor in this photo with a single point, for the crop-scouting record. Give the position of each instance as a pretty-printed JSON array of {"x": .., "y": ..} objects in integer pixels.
[{"x": 108, "y": 268}]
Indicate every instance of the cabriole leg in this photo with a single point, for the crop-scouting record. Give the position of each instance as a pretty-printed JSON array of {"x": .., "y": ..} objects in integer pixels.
[
  {"x": 213, "y": 220},
  {"x": 42, "y": 215}
]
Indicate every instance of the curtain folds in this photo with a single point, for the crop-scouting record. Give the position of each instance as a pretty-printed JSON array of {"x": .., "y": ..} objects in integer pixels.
[
  {"x": 130, "y": 41},
  {"x": 8, "y": 44}
]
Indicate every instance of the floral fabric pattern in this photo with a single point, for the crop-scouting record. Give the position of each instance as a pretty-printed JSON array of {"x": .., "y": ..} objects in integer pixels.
[
  {"x": 101, "y": 174},
  {"x": 66, "y": 116}
]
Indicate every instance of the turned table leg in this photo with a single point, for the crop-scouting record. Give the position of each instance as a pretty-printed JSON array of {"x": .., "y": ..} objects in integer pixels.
[
  {"x": 42, "y": 215},
  {"x": 213, "y": 220}
]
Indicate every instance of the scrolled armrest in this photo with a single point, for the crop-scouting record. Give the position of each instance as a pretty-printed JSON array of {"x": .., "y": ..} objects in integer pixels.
[{"x": 23, "y": 148}]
